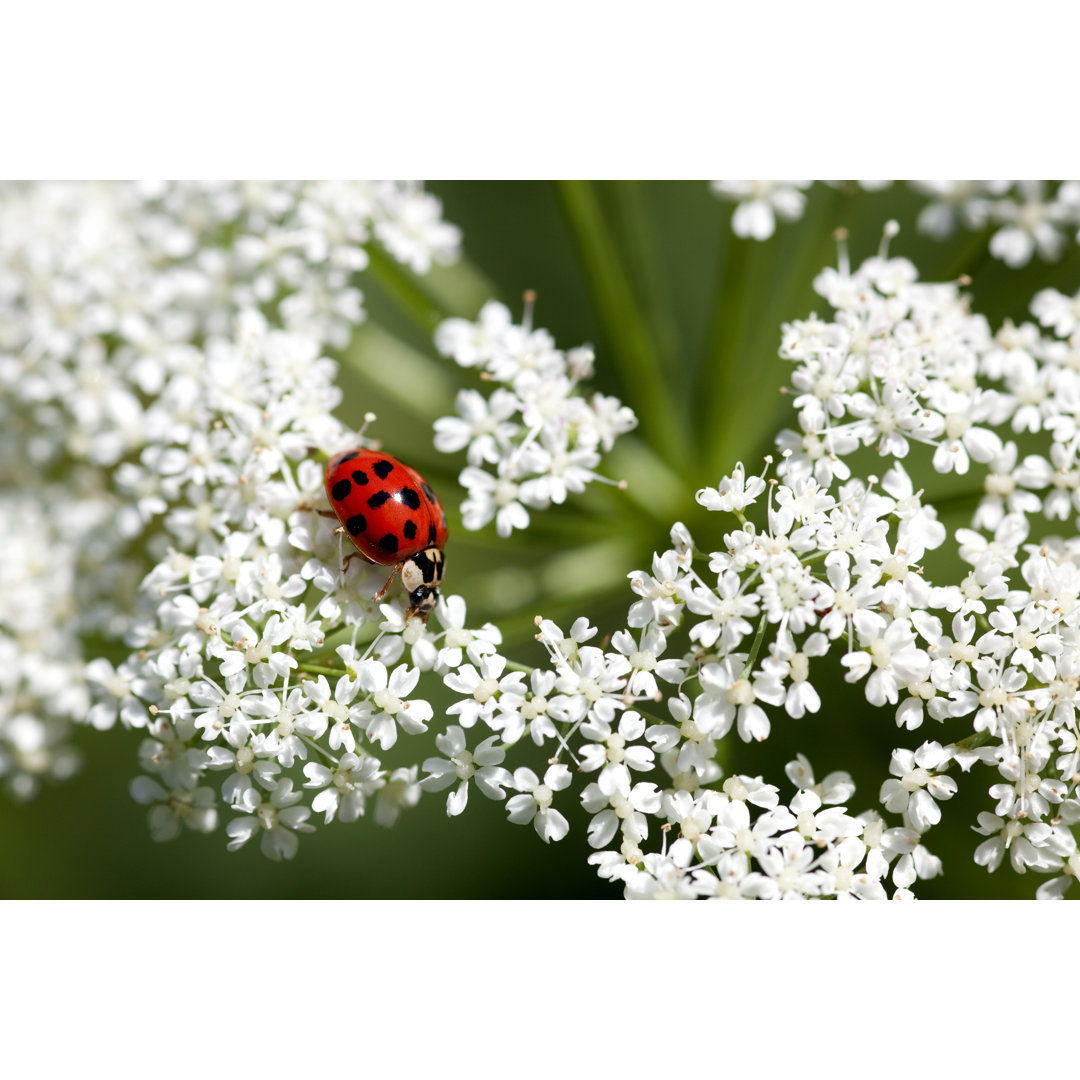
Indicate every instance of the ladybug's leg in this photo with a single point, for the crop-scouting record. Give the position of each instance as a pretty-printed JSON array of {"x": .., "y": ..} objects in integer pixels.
[
  {"x": 389, "y": 581},
  {"x": 355, "y": 555}
]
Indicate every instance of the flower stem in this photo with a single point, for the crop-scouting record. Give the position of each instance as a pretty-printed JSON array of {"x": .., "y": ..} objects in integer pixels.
[
  {"x": 308, "y": 741},
  {"x": 645, "y": 386},
  {"x": 759, "y": 637},
  {"x": 742, "y": 370},
  {"x": 636, "y": 224},
  {"x": 319, "y": 669},
  {"x": 426, "y": 311}
]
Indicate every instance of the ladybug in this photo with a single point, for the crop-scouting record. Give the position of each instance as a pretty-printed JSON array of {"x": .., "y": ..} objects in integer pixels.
[{"x": 394, "y": 519}]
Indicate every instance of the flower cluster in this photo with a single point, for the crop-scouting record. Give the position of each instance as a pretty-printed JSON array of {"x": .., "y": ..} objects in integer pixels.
[
  {"x": 903, "y": 364},
  {"x": 1028, "y": 216},
  {"x": 107, "y": 290},
  {"x": 535, "y": 438},
  {"x": 42, "y": 692},
  {"x": 249, "y": 586},
  {"x": 898, "y": 366},
  {"x": 591, "y": 711},
  {"x": 835, "y": 567},
  {"x": 115, "y": 299}
]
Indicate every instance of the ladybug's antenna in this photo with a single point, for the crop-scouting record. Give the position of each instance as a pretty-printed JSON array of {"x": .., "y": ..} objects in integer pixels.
[{"x": 529, "y": 297}]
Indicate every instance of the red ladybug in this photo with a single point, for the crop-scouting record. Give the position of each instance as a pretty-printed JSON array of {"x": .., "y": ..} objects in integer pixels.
[{"x": 394, "y": 518}]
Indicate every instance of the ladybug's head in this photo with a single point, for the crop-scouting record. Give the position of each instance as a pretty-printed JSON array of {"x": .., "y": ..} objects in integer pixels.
[{"x": 422, "y": 575}]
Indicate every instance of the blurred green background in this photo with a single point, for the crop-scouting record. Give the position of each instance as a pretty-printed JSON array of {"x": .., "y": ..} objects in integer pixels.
[{"x": 685, "y": 320}]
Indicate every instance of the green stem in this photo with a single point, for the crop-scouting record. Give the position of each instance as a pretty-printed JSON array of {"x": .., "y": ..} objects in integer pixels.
[
  {"x": 644, "y": 385},
  {"x": 425, "y": 310},
  {"x": 971, "y": 742},
  {"x": 319, "y": 669},
  {"x": 307, "y": 740},
  {"x": 743, "y": 360},
  {"x": 630, "y": 201},
  {"x": 971, "y": 254},
  {"x": 959, "y": 501},
  {"x": 513, "y": 665},
  {"x": 759, "y": 637},
  {"x": 722, "y": 345}
]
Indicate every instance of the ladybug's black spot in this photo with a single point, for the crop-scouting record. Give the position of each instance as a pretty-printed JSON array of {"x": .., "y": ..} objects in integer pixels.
[
  {"x": 389, "y": 542},
  {"x": 409, "y": 498},
  {"x": 378, "y": 499},
  {"x": 382, "y": 469},
  {"x": 428, "y": 492},
  {"x": 356, "y": 524},
  {"x": 346, "y": 457},
  {"x": 410, "y": 530},
  {"x": 431, "y": 534},
  {"x": 341, "y": 489},
  {"x": 360, "y": 477}
]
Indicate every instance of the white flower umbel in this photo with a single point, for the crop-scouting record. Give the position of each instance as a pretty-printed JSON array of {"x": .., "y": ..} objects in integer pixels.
[
  {"x": 537, "y": 438},
  {"x": 250, "y": 587},
  {"x": 824, "y": 567},
  {"x": 119, "y": 304}
]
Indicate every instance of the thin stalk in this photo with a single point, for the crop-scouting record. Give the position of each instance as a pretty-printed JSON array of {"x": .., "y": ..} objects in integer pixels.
[
  {"x": 308, "y": 741},
  {"x": 415, "y": 381},
  {"x": 716, "y": 397},
  {"x": 759, "y": 637},
  {"x": 644, "y": 385},
  {"x": 320, "y": 669},
  {"x": 415, "y": 300},
  {"x": 974, "y": 253},
  {"x": 743, "y": 372},
  {"x": 636, "y": 224}
]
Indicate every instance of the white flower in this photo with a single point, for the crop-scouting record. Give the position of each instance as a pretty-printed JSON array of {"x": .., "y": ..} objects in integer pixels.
[
  {"x": 484, "y": 689},
  {"x": 1057, "y": 311},
  {"x": 787, "y": 871},
  {"x": 175, "y": 809},
  {"x": 911, "y": 793},
  {"x": 400, "y": 791},
  {"x": 345, "y": 788},
  {"x": 390, "y": 707},
  {"x": 836, "y": 788},
  {"x": 482, "y": 766},
  {"x": 278, "y": 817},
  {"x": 760, "y": 202},
  {"x": 616, "y": 806},
  {"x": 1028, "y": 226},
  {"x": 734, "y": 493},
  {"x": 534, "y": 804},
  {"x": 895, "y": 659},
  {"x": 616, "y": 752},
  {"x": 954, "y": 202}
]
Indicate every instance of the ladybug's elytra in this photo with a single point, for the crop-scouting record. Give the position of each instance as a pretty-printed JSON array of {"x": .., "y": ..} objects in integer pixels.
[{"x": 394, "y": 518}]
